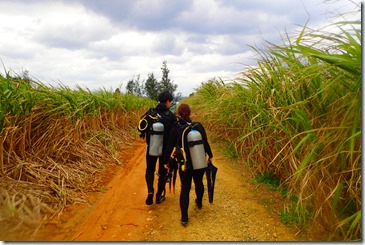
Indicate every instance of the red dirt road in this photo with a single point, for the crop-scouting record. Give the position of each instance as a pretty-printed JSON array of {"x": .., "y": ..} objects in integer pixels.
[{"x": 240, "y": 212}]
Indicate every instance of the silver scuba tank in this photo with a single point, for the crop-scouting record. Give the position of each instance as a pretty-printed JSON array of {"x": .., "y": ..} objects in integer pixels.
[
  {"x": 196, "y": 149},
  {"x": 156, "y": 139}
]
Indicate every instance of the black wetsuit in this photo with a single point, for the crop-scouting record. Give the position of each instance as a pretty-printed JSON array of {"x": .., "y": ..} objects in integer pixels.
[
  {"x": 187, "y": 176},
  {"x": 168, "y": 119}
]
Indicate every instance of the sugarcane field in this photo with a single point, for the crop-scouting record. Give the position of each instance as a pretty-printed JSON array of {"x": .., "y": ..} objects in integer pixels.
[{"x": 285, "y": 135}]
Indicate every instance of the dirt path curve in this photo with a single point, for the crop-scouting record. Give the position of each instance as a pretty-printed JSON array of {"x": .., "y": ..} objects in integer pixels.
[{"x": 240, "y": 212}]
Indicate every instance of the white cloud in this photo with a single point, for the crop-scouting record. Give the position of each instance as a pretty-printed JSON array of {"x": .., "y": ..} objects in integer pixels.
[{"x": 98, "y": 44}]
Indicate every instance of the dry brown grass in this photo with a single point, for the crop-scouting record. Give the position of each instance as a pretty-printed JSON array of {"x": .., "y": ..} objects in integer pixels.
[{"x": 49, "y": 160}]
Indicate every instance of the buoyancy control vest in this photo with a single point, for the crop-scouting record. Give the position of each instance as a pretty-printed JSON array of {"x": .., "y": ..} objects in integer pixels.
[
  {"x": 151, "y": 123},
  {"x": 195, "y": 145}
]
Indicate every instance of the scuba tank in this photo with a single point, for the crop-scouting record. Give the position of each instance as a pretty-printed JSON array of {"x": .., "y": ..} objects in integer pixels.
[
  {"x": 156, "y": 139},
  {"x": 196, "y": 149}
]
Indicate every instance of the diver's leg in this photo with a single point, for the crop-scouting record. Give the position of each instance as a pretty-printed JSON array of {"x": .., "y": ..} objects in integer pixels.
[
  {"x": 186, "y": 178},
  {"x": 150, "y": 177},
  {"x": 162, "y": 172},
  {"x": 199, "y": 186}
]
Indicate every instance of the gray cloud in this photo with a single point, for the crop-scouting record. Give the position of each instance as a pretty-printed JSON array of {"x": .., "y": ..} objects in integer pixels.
[
  {"x": 206, "y": 17},
  {"x": 151, "y": 15},
  {"x": 97, "y": 43}
]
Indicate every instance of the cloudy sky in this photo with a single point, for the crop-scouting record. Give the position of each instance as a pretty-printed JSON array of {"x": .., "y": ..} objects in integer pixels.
[{"x": 104, "y": 44}]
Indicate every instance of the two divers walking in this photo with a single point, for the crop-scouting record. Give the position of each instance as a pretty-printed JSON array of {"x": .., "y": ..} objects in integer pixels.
[{"x": 177, "y": 142}]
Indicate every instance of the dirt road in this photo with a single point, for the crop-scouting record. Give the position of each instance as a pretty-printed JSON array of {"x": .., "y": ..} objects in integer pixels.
[{"x": 241, "y": 211}]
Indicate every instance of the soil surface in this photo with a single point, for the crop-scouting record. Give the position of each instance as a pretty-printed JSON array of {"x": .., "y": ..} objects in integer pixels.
[{"x": 241, "y": 211}]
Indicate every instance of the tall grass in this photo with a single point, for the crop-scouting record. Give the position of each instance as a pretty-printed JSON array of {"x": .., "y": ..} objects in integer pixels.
[
  {"x": 53, "y": 141},
  {"x": 297, "y": 114}
]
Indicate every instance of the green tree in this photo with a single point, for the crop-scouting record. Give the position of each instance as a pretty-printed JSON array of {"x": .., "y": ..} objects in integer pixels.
[
  {"x": 151, "y": 87},
  {"x": 166, "y": 84},
  {"x": 135, "y": 86}
]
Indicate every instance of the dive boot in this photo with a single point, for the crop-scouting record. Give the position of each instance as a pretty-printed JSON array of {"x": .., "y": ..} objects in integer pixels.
[{"x": 149, "y": 200}]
